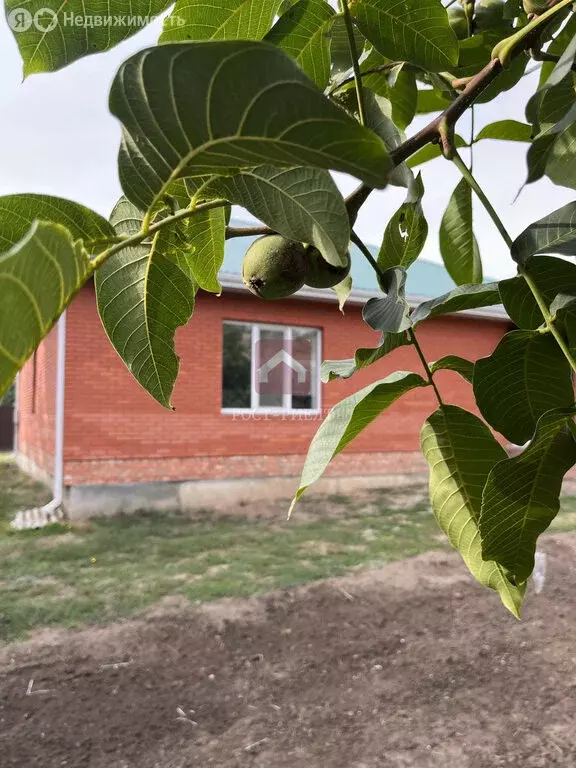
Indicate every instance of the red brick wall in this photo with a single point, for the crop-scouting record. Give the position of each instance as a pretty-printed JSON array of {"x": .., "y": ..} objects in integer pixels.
[
  {"x": 37, "y": 404},
  {"x": 110, "y": 420}
]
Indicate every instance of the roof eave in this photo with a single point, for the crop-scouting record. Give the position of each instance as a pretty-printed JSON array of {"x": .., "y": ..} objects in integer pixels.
[{"x": 359, "y": 296}]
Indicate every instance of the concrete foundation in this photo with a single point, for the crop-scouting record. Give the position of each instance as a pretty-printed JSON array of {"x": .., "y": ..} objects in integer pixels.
[{"x": 84, "y": 501}]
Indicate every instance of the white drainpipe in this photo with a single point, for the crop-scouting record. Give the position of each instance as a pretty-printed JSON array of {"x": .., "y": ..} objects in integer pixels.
[
  {"x": 52, "y": 512},
  {"x": 60, "y": 395},
  {"x": 15, "y": 414}
]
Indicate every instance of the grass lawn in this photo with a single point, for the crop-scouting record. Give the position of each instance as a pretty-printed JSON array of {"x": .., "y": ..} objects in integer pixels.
[{"x": 106, "y": 570}]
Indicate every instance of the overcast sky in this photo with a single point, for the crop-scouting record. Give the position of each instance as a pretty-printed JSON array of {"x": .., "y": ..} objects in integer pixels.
[{"x": 57, "y": 137}]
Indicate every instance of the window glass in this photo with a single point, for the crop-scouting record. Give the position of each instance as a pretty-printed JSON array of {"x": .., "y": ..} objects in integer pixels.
[
  {"x": 269, "y": 367},
  {"x": 269, "y": 343},
  {"x": 307, "y": 401},
  {"x": 236, "y": 366}
]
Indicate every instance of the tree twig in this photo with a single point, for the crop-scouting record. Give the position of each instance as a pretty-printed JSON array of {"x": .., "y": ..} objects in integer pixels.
[
  {"x": 365, "y": 251},
  {"x": 538, "y": 55},
  {"x": 534, "y": 288},
  {"x": 432, "y": 132},
  {"x": 248, "y": 231},
  {"x": 372, "y": 71},
  {"x": 429, "y": 374},
  {"x": 354, "y": 56},
  {"x": 153, "y": 229},
  {"x": 445, "y": 122},
  {"x": 356, "y": 200}
]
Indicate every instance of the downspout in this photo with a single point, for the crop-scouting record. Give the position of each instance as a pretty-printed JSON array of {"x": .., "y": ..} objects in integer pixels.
[
  {"x": 58, "y": 491},
  {"x": 15, "y": 415},
  {"x": 53, "y": 511}
]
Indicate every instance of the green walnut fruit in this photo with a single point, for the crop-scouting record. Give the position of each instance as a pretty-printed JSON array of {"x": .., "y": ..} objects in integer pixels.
[
  {"x": 489, "y": 14},
  {"x": 458, "y": 22},
  {"x": 534, "y": 6},
  {"x": 321, "y": 274},
  {"x": 274, "y": 267}
]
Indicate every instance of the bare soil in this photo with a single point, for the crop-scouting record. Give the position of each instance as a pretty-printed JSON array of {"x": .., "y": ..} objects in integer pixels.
[{"x": 408, "y": 665}]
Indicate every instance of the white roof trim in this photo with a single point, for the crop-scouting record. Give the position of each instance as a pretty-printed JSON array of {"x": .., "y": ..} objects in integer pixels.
[{"x": 234, "y": 282}]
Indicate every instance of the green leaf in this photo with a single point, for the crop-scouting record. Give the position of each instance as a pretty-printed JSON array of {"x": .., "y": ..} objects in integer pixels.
[
  {"x": 512, "y": 9},
  {"x": 143, "y": 296},
  {"x": 197, "y": 109},
  {"x": 224, "y": 20},
  {"x": 405, "y": 236},
  {"x": 379, "y": 119},
  {"x": 537, "y": 157},
  {"x": 554, "y": 233},
  {"x": 343, "y": 291},
  {"x": 340, "y": 47},
  {"x": 413, "y": 30},
  {"x": 376, "y": 82},
  {"x": 553, "y": 91},
  {"x": 461, "y": 298},
  {"x": 431, "y": 100},
  {"x": 557, "y": 47},
  {"x": 393, "y": 82},
  {"x": 19, "y": 212},
  {"x": 304, "y": 33},
  {"x": 348, "y": 418},
  {"x": 390, "y": 313},
  {"x": 198, "y": 242},
  {"x": 563, "y": 309},
  {"x": 403, "y": 94},
  {"x": 552, "y": 276},
  {"x": 476, "y": 52},
  {"x": 522, "y": 495},
  {"x": 560, "y": 160},
  {"x": 207, "y": 231},
  {"x": 52, "y": 41},
  {"x": 300, "y": 203},
  {"x": 458, "y": 245},
  {"x": 344, "y": 369},
  {"x": 68, "y": 268},
  {"x": 489, "y": 15},
  {"x": 39, "y": 276},
  {"x": 556, "y": 102},
  {"x": 506, "y": 130},
  {"x": 461, "y": 452},
  {"x": 431, "y": 152},
  {"x": 524, "y": 377},
  {"x": 454, "y": 363}
]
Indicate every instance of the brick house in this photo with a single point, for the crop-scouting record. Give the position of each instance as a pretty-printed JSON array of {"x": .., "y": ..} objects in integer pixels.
[{"x": 118, "y": 449}]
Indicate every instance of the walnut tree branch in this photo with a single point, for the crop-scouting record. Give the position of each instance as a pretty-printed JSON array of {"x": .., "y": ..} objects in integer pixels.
[
  {"x": 441, "y": 128},
  {"x": 432, "y": 133},
  {"x": 247, "y": 232}
]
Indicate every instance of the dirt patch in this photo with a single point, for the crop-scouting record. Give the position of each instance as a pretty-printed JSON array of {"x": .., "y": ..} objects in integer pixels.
[
  {"x": 321, "y": 506},
  {"x": 410, "y": 665}
]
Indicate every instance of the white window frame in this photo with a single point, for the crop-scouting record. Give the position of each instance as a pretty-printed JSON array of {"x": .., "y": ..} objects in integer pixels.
[{"x": 286, "y": 408}]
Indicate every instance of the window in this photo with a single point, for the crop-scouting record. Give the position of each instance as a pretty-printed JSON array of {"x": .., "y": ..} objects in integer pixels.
[{"x": 272, "y": 368}]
